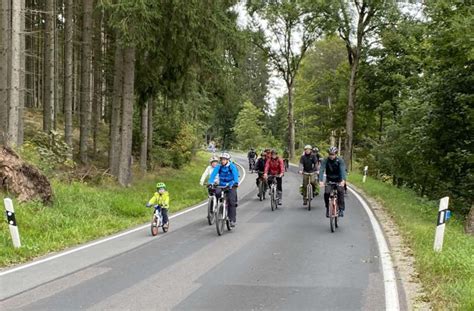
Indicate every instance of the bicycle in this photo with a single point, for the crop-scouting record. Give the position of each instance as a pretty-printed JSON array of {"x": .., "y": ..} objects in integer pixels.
[
  {"x": 211, "y": 204},
  {"x": 309, "y": 189},
  {"x": 157, "y": 221},
  {"x": 261, "y": 187},
  {"x": 252, "y": 164},
  {"x": 221, "y": 213},
  {"x": 273, "y": 192},
  {"x": 333, "y": 207}
]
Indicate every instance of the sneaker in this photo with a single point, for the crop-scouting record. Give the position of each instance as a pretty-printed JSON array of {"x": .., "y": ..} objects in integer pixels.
[
  {"x": 341, "y": 213},
  {"x": 305, "y": 202},
  {"x": 279, "y": 202},
  {"x": 232, "y": 224}
]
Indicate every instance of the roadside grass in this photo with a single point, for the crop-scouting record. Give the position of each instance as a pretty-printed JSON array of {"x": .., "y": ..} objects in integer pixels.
[
  {"x": 82, "y": 212},
  {"x": 448, "y": 276}
]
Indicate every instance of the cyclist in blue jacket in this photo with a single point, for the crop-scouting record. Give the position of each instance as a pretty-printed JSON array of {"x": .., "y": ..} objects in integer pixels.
[{"x": 228, "y": 177}]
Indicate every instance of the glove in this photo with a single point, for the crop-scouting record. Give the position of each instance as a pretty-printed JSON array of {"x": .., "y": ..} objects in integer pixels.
[{"x": 148, "y": 205}]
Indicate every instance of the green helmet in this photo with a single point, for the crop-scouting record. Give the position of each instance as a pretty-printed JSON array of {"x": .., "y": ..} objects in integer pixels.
[{"x": 160, "y": 185}]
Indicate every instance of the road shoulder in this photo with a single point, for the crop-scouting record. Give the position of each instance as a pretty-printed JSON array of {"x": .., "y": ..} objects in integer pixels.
[{"x": 404, "y": 262}]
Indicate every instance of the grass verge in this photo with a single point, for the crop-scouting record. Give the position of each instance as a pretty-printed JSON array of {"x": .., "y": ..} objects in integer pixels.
[
  {"x": 447, "y": 277},
  {"x": 82, "y": 212}
]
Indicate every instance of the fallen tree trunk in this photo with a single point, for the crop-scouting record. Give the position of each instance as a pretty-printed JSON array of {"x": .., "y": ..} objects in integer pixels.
[{"x": 22, "y": 179}]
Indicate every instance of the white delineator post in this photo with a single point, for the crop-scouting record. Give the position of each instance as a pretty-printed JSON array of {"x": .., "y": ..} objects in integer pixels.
[
  {"x": 10, "y": 211},
  {"x": 366, "y": 170},
  {"x": 441, "y": 223}
]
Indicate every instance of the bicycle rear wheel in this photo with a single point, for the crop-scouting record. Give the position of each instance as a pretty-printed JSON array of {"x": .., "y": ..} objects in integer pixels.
[
  {"x": 220, "y": 219},
  {"x": 211, "y": 215}
]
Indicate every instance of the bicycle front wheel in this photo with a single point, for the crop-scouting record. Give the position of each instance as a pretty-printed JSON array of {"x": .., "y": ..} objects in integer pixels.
[
  {"x": 272, "y": 200},
  {"x": 154, "y": 226},
  {"x": 220, "y": 220},
  {"x": 309, "y": 194}
]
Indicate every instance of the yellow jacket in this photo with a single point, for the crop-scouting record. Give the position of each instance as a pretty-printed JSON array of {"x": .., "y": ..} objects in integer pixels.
[{"x": 162, "y": 200}]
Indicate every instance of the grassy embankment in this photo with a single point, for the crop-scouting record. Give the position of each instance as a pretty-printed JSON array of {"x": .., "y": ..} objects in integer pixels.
[
  {"x": 448, "y": 277},
  {"x": 83, "y": 212}
]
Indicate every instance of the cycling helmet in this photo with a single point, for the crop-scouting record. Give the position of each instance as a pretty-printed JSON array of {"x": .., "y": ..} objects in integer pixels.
[
  {"x": 213, "y": 159},
  {"x": 332, "y": 149},
  {"x": 225, "y": 155},
  {"x": 316, "y": 149},
  {"x": 273, "y": 151},
  {"x": 308, "y": 147},
  {"x": 262, "y": 154},
  {"x": 161, "y": 185}
]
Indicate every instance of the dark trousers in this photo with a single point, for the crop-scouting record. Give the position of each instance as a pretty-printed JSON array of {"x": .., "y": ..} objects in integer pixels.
[
  {"x": 340, "y": 195},
  {"x": 231, "y": 202},
  {"x": 164, "y": 214}
]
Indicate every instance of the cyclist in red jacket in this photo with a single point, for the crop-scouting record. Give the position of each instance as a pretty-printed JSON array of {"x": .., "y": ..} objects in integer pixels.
[{"x": 275, "y": 167}]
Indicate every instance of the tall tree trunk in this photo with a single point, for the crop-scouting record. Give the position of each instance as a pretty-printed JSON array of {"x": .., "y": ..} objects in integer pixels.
[
  {"x": 291, "y": 122},
  {"x": 15, "y": 73},
  {"x": 350, "y": 112},
  {"x": 124, "y": 177},
  {"x": 97, "y": 100},
  {"x": 5, "y": 39},
  {"x": 49, "y": 64},
  {"x": 68, "y": 72},
  {"x": 115, "y": 120},
  {"x": 21, "y": 106},
  {"x": 86, "y": 60},
  {"x": 150, "y": 128},
  {"x": 144, "y": 137}
]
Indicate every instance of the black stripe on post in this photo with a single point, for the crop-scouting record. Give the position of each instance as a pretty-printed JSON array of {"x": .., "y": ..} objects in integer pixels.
[
  {"x": 11, "y": 218},
  {"x": 441, "y": 217}
]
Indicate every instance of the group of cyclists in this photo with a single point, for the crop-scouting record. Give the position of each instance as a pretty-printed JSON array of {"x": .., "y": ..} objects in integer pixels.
[
  {"x": 223, "y": 173},
  {"x": 312, "y": 166}
]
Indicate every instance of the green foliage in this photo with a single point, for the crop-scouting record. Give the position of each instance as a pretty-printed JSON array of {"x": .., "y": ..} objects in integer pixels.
[
  {"x": 47, "y": 152},
  {"x": 82, "y": 212},
  {"x": 248, "y": 127},
  {"x": 448, "y": 277},
  {"x": 182, "y": 148}
]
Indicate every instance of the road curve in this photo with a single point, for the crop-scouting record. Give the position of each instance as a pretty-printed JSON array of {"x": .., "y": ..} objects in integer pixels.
[{"x": 287, "y": 259}]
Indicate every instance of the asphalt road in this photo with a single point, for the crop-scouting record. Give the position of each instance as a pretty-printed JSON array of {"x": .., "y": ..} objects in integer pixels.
[{"x": 286, "y": 259}]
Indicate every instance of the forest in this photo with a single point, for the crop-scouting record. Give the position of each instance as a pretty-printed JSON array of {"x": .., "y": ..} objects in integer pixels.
[{"x": 124, "y": 84}]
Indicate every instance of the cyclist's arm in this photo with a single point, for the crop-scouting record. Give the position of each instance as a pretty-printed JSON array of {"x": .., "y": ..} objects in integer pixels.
[
  {"x": 166, "y": 200},
  {"x": 235, "y": 174},
  {"x": 204, "y": 175},
  {"x": 267, "y": 167},
  {"x": 214, "y": 174},
  {"x": 342, "y": 169},
  {"x": 153, "y": 200},
  {"x": 282, "y": 167},
  {"x": 321, "y": 171},
  {"x": 301, "y": 168}
]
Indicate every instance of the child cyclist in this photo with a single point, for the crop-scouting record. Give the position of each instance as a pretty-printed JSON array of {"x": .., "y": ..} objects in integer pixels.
[{"x": 161, "y": 198}]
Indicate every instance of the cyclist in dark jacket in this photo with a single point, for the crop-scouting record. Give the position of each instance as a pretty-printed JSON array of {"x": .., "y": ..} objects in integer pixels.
[
  {"x": 308, "y": 164},
  {"x": 252, "y": 157},
  {"x": 335, "y": 170}
]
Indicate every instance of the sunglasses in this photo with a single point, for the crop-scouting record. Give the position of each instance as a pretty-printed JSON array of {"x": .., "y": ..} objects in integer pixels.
[{"x": 332, "y": 154}]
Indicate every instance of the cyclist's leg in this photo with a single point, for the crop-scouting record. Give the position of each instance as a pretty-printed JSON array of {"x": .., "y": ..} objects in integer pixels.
[
  {"x": 327, "y": 192},
  {"x": 232, "y": 204},
  {"x": 279, "y": 187},
  {"x": 340, "y": 198},
  {"x": 305, "y": 186},
  {"x": 315, "y": 185},
  {"x": 164, "y": 213}
]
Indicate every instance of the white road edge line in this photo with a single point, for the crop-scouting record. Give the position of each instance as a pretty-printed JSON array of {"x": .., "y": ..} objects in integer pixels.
[
  {"x": 388, "y": 271},
  {"x": 74, "y": 250},
  {"x": 390, "y": 280}
]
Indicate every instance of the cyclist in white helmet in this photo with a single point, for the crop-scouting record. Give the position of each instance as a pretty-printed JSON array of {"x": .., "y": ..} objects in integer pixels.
[
  {"x": 335, "y": 170},
  {"x": 212, "y": 164}
]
